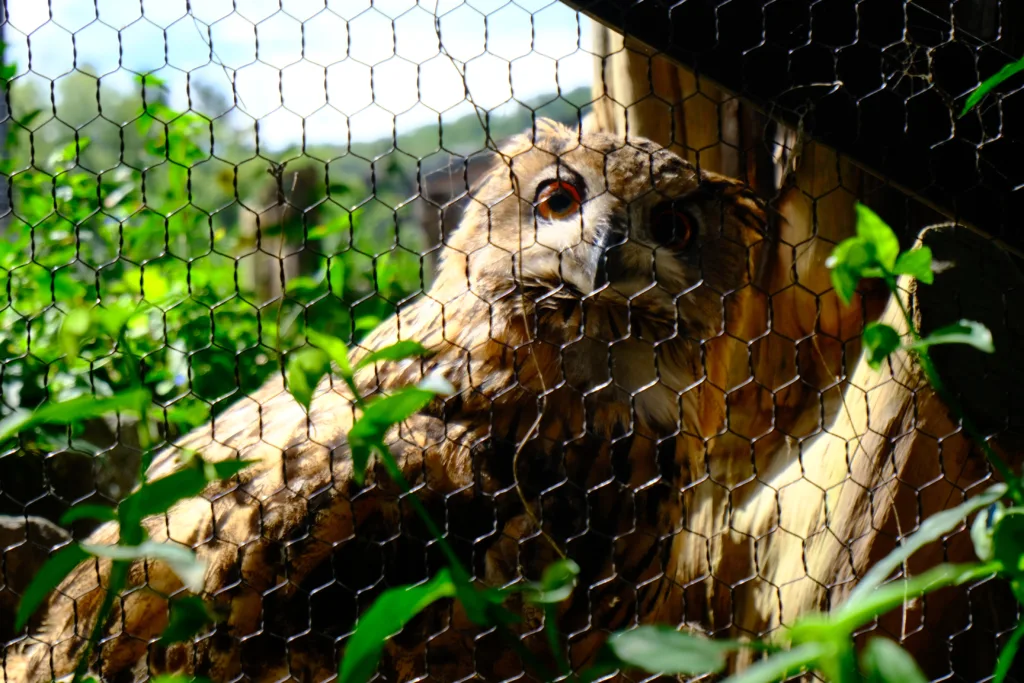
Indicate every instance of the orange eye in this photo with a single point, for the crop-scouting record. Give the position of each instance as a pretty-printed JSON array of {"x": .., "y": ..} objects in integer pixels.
[
  {"x": 557, "y": 200},
  {"x": 672, "y": 228}
]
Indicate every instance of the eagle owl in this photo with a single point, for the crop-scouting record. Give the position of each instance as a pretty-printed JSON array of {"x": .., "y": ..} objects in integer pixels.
[{"x": 569, "y": 314}]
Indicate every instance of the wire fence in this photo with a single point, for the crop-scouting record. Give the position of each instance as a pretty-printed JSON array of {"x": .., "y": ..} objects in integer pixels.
[{"x": 653, "y": 373}]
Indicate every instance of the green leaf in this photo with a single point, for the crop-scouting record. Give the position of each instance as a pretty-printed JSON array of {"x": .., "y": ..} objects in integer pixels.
[
  {"x": 660, "y": 649},
  {"x": 883, "y": 661},
  {"x": 399, "y": 406},
  {"x": 114, "y": 318},
  {"x": 983, "y": 530},
  {"x": 398, "y": 351},
  {"x": 964, "y": 332},
  {"x": 852, "y": 260},
  {"x": 75, "y": 410},
  {"x": 368, "y": 322},
  {"x": 305, "y": 370},
  {"x": 159, "y": 496},
  {"x": 189, "y": 617},
  {"x": 338, "y": 188},
  {"x": 991, "y": 83},
  {"x": 7, "y": 71},
  {"x": 879, "y": 341},
  {"x": 855, "y": 613},
  {"x": 335, "y": 348},
  {"x": 917, "y": 263},
  {"x": 874, "y": 231},
  {"x": 781, "y": 666},
  {"x": 361, "y": 450},
  {"x": 1008, "y": 654},
  {"x": 382, "y": 413},
  {"x": 932, "y": 529},
  {"x": 46, "y": 579},
  {"x": 385, "y": 618},
  {"x": 302, "y": 285},
  {"x": 845, "y": 282},
  {"x": 103, "y": 513},
  {"x": 557, "y": 583},
  {"x": 319, "y": 232},
  {"x": 1008, "y": 540},
  {"x": 852, "y": 253},
  {"x": 76, "y": 325},
  {"x": 189, "y": 568}
]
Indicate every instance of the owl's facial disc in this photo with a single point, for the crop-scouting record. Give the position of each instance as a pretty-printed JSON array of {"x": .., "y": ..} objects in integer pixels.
[
  {"x": 651, "y": 247},
  {"x": 587, "y": 244}
]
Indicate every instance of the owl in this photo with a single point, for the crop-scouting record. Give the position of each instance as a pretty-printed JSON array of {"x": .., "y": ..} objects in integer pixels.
[{"x": 569, "y": 313}]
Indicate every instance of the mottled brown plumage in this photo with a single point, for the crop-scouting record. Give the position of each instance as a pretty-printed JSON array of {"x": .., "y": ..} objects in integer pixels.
[{"x": 575, "y": 349}]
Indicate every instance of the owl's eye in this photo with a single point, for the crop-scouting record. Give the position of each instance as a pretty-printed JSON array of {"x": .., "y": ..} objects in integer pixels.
[
  {"x": 557, "y": 200},
  {"x": 671, "y": 227}
]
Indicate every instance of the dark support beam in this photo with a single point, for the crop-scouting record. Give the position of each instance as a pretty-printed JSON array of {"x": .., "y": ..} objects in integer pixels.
[{"x": 881, "y": 81}]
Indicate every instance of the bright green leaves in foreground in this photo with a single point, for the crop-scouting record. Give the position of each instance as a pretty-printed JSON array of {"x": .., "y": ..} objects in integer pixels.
[
  {"x": 883, "y": 661},
  {"x": 188, "y": 614},
  {"x": 665, "y": 650},
  {"x": 397, "y": 351},
  {"x": 189, "y": 617},
  {"x": 74, "y": 410},
  {"x": 306, "y": 368},
  {"x": 380, "y": 414},
  {"x": 385, "y": 618},
  {"x": 879, "y": 341},
  {"x": 991, "y": 83},
  {"x": 871, "y": 253},
  {"x": 46, "y": 579},
  {"x": 154, "y": 498},
  {"x": 160, "y": 495},
  {"x": 397, "y": 606},
  {"x": 964, "y": 332},
  {"x": 874, "y": 252},
  {"x": 998, "y": 537}
]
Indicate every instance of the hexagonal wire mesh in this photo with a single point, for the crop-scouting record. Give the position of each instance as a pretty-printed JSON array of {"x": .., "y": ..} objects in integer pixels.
[{"x": 680, "y": 406}]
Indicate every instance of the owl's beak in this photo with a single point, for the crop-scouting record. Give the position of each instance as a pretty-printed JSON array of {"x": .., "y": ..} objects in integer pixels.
[{"x": 608, "y": 258}]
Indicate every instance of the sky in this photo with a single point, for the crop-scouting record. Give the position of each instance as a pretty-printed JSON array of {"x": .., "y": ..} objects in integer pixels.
[{"x": 336, "y": 68}]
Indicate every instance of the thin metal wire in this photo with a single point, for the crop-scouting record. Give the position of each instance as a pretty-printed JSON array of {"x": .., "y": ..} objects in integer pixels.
[{"x": 244, "y": 224}]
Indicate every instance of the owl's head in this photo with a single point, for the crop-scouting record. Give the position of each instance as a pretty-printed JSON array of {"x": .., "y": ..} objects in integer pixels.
[{"x": 591, "y": 217}]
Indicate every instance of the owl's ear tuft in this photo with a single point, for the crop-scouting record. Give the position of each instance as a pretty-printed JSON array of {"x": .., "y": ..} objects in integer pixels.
[{"x": 550, "y": 127}]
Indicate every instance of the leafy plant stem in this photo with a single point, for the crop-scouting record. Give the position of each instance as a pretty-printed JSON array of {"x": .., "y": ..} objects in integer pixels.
[
  {"x": 130, "y": 536},
  {"x": 115, "y": 584},
  {"x": 551, "y": 631},
  {"x": 931, "y": 374},
  {"x": 781, "y": 665},
  {"x": 524, "y": 654},
  {"x": 1008, "y": 654},
  {"x": 461, "y": 574},
  {"x": 855, "y": 614},
  {"x": 391, "y": 464}
]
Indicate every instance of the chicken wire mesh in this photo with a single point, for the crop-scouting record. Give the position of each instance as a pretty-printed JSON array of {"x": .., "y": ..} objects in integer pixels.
[{"x": 254, "y": 171}]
